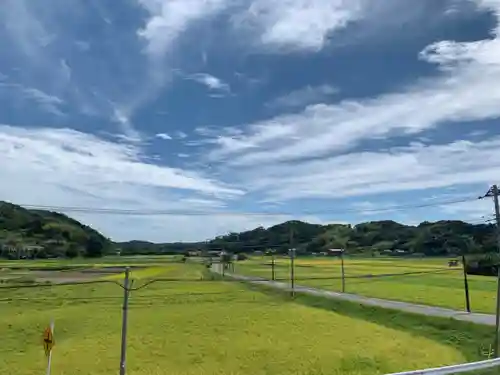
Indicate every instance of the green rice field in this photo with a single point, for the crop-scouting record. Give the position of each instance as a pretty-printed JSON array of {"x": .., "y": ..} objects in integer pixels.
[
  {"x": 196, "y": 325},
  {"x": 422, "y": 281}
]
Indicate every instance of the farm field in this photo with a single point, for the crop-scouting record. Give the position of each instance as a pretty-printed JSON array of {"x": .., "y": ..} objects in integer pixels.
[
  {"x": 80, "y": 270},
  {"x": 422, "y": 281},
  {"x": 79, "y": 262},
  {"x": 213, "y": 327}
]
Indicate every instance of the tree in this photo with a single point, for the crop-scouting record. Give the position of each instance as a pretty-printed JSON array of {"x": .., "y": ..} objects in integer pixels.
[
  {"x": 60, "y": 235},
  {"x": 95, "y": 247},
  {"x": 72, "y": 251}
]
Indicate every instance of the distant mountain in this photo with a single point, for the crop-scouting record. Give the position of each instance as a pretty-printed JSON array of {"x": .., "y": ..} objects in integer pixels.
[
  {"x": 441, "y": 238},
  {"x": 26, "y": 233},
  {"x": 37, "y": 233},
  {"x": 149, "y": 248}
]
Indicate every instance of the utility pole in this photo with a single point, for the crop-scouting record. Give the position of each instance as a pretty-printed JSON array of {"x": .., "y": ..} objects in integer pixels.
[
  {"x": 342, "y": 266},
  {"x": 493, "y": 192},
  {"x": 223, "y": 262},
  {"x": 466, "y": 284},
  {"x": 292, "y": 264},
  {"x": 273, "y": 272},
  {"x": 123, "y": 352}
]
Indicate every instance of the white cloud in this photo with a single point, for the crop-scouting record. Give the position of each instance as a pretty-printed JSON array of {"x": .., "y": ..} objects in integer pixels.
[
  {"x": 366, "y": 208},
  {"x": 298, "y": 24},
  {"x": 164, "y": 136},
  {"x": 70, "y": 151},
  {"x": 21, "y": 23},
  {"x": 70, "y": 168},
  {"x": 464, "y": 92},
  {"x": 304, "y": 96},
  {"x": 480, "y": 210},
  {"x": 185, "y": 228},
  {"x": 180, "y": 134},
  {"x": 211, "y": 82},
  {"x": 417, "y": 167},
  {"x": 46, "y": 102},
  {"x": 121, "y": 117},
  {"x": 170, "y": 18}
]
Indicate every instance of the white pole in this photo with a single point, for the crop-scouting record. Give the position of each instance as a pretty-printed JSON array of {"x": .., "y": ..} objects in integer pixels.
[{"x": 49, "y": 362}]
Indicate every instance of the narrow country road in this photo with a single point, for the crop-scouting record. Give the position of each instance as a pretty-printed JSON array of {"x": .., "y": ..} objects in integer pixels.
[{"x": 477, "y": 318}]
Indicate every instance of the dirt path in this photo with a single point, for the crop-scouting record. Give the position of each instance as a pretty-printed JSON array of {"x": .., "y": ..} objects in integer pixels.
[{"x": 477, "y": 318}]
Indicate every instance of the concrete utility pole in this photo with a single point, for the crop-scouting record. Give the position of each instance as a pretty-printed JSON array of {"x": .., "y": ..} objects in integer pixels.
[
  {"x": 292, "y": 264},
  {"x": 343, "y": 272},
  {"x": 466, "y": 284},
  {"x": 273, "y": 264},
  {"x": 123, "y": 352},
  {"x": 493, "y": 192}
]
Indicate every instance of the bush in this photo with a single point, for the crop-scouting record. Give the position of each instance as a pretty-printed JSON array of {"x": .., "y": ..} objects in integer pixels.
[{"x": 484, "y": 265}]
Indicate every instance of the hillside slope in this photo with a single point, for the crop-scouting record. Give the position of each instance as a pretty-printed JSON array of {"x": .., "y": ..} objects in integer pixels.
[
  {"x": 41, "y": 234},
  {"x": 25, "y": 233},
  {"x": 431, "y": 239}
]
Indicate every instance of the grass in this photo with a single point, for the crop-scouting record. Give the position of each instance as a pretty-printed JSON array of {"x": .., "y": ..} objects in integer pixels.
[
  {"x": 85, "y": 262},
  {"x": 214, "y": 327},
  {"x": 432, "y": 282}
]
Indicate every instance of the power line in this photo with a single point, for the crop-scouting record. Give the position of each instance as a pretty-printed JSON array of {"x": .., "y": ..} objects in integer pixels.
[
  {"x": 373, "y": 276},
  {"x": 149, "y": 282},
  {"x": 138, "y": 212},
  {"x": 198, "y": 280},
  {"x": 104, "y": 298},
  {"x": 50, "y": 285}
]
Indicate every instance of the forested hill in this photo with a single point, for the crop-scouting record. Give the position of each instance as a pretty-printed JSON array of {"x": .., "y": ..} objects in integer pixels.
[
  {"x": 25, "y": 233},
  {"x": 432, "y": 239},
  {"x": 36, "y": 233}
]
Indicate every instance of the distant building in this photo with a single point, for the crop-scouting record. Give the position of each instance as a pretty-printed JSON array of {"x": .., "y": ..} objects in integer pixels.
[{"x": 21, "y": 251}]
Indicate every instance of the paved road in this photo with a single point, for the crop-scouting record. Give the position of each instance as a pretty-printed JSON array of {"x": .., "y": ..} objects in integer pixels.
[{"x": 388, "y": 304}]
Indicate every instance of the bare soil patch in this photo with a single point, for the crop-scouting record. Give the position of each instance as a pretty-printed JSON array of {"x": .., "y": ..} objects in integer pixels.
[{"x": 60, "y": 275}]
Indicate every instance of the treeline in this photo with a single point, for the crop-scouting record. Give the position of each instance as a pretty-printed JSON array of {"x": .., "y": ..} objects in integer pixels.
[
  {"x": 26, "y": 234},
  {"x": 442, "y": 238},
  {"x": 150, "y": 248},
  {"x": 36, "y": 233}
]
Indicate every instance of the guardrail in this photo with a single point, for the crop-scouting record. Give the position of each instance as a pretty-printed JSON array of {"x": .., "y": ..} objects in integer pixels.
[{"x": 455, "y": 369}]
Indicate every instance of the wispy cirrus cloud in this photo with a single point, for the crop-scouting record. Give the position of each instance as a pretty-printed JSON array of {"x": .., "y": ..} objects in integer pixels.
[
  {"x": 462, "y": 93},
  {"x": 480, "y": 211},
  {"x": 170, "y": 18},
  {"x": 49, "y": 103},
  {"x": 297, "y": 24},
  {"x": 80, "y": 155},
  {"x": 211, "y": 82},
  {"x": 361, "y": 174},
  {"x": 71, "y": 168},
  {"x": 180, "y": 134},
  {"x": 163, "y": 136},
  {"x": 46, "y": 102},
  {"x": 293, "y": 156},
  {"x": 312, "y": 150},
  {"x": 304, "y": 96}
]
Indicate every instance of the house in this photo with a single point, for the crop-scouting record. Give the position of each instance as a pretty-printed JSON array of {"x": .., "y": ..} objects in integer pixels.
[{"x": 21, "y": 251}]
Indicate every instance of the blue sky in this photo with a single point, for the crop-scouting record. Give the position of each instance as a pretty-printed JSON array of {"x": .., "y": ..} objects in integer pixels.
[{"x": 319, "y": 110}]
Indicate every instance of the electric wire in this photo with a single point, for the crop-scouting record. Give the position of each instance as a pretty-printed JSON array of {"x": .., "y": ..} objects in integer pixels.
[{"x": 138, "y": 212}]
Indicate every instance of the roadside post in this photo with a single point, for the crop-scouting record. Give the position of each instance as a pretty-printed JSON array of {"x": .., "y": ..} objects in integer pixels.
[{"x": 48, "y": 344}]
